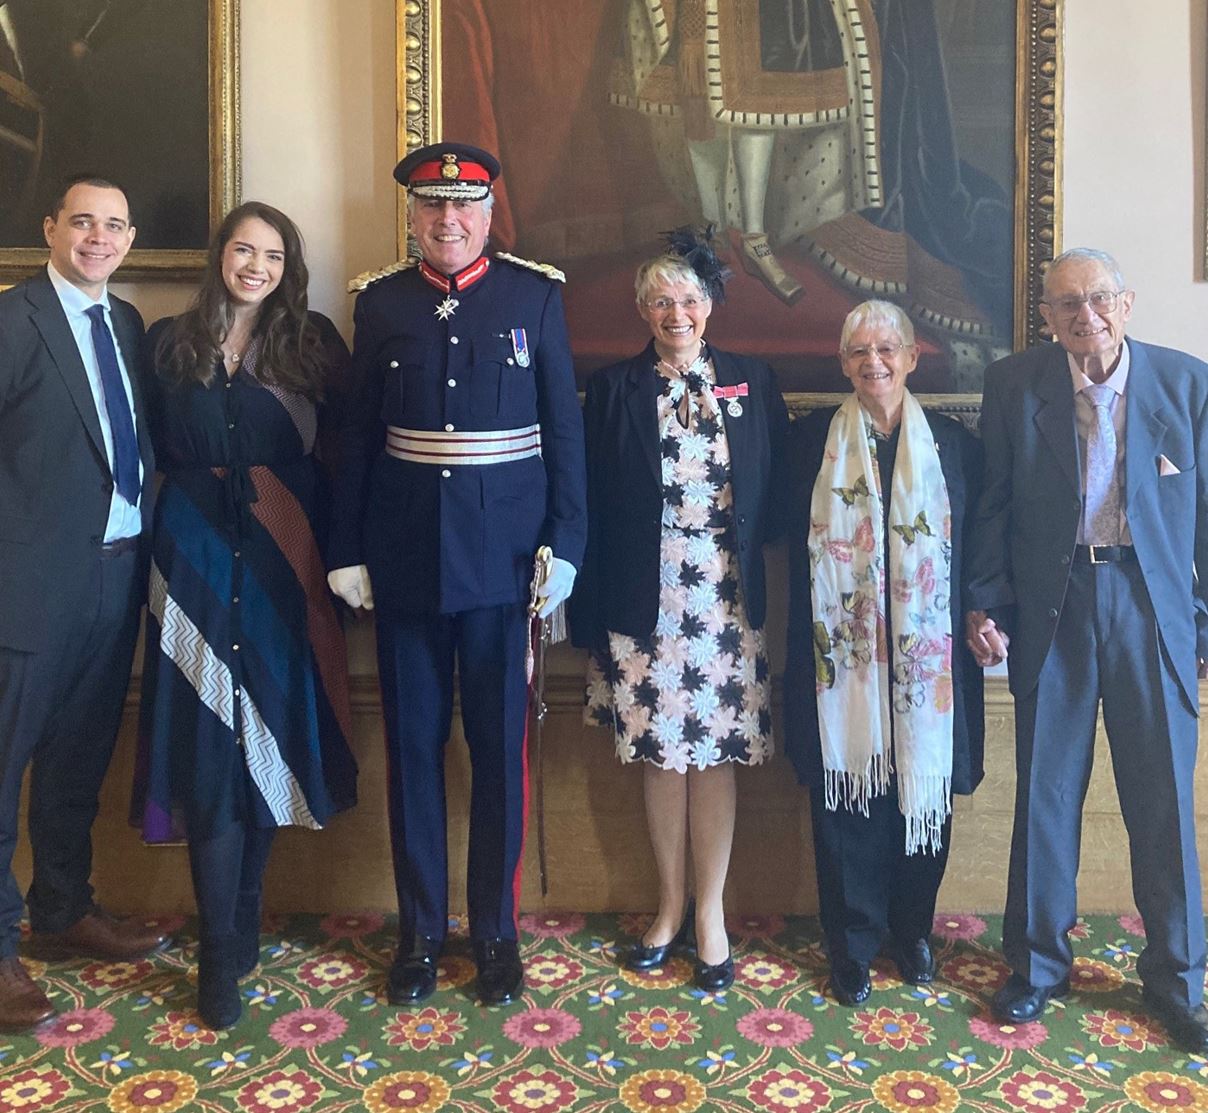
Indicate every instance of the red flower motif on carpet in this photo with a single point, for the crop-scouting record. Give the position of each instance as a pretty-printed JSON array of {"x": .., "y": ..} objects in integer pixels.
[
  {"x": 1037, "y": 1091},
  {"x": 888, "y": 1028},
  {"x": 416, "y": 1091},
  {"x": 1089, "y": 975},
  {"x": 788, "y": 1091},
  {"x": 775, "y": 1027},
  {"x": 1157, "y": 1091},
  {"x": 755, "y": 927},
  {"x": 308, "y": 1027},
  {"x": 671, "y": 975},
  {"x": 1009, "y": 1037},
  {"x": 902, "y": 1091},
  {"x": 542, "y": 1027},
  {"x": 331, "y": 971},
  {"x": 762, "y": 972},
  {"x": 530, "y": 1091},
  {"x": 958, "y": 928},
  {"x": 114, "y": 975},
  {"x": 1112, "y": 1028},
  {"x": 551, "y": 970},
  {"x": 975, "y": 972},
  {"x": 1132, "y": 923},
  {"x": 662, "y": 1091},
  {"x": 73, "y": 1028},
  {"x": 351, "y": 925},
  {"x": 35, "y": 1088},
  {"x": 454, "y": 971},
  {"x": 427, "y": 1028},
  {"x": 553, "y": 925},
  {"x": 163, "y": 1091},
  {"x": 181, "y": 1031},
  {"x": 659, "y": 1027},
  {"x": 280, "y": 1091}
]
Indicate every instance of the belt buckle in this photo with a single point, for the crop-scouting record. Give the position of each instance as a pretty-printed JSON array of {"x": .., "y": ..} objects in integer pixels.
[{"x": 1094, "y": 558}]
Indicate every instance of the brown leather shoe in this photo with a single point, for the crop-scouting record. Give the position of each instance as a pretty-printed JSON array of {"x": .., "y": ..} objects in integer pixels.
[
  {"x": 97, "y": 934},
  {"x": 22, "y": 1004}
]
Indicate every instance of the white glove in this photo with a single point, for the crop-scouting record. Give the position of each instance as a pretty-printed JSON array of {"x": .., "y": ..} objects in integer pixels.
[
  {"x": 352, "y": 585},
  {"x": 556, "y": 588}
]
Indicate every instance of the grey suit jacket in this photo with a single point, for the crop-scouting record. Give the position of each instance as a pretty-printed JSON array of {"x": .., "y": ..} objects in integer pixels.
[
  {"x": 1027, "y": 518},
  {"x": 55, "y": 480}
]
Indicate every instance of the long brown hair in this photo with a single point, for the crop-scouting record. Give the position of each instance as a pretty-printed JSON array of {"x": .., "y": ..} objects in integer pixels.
[{"x": 291, "y": 355}]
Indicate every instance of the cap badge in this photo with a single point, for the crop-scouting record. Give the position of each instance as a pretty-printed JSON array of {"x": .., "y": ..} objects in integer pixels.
[{"x": 450, "y": 170}]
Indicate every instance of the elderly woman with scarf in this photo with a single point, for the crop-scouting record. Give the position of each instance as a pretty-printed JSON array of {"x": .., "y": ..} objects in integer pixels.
[
  {"x": 883, "y": 707},
  {"x": 684, "y": 444}
]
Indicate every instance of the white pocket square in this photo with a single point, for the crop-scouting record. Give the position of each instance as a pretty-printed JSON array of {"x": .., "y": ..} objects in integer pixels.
[{"x": 1165, "y": 467}]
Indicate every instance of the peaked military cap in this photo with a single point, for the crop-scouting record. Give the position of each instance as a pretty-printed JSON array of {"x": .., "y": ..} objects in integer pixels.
[{"x": 453, "y": 171}]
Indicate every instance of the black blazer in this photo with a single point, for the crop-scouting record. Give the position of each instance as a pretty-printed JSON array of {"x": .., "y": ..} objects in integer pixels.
[
  {"x": 618, "y": 585},
  {"x": 55, "y": 482},
  {"x": 961, "y": 462}
]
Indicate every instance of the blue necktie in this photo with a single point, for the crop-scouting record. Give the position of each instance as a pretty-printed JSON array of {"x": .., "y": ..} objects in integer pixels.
[{"x": 117, "y": 406}]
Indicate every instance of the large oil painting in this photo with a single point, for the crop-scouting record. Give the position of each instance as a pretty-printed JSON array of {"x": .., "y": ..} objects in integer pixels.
[
  {"x": 142, "y": 92},
  {"x": 842, "y": 149}
]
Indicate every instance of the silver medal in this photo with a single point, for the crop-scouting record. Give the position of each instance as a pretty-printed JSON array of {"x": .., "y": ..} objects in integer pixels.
[{"x": 734, "y": 409}]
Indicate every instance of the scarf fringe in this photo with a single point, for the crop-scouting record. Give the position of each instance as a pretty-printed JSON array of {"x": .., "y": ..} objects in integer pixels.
[
  {"x": 854, "y": 789},
  {"x": 925, "y": 802}
]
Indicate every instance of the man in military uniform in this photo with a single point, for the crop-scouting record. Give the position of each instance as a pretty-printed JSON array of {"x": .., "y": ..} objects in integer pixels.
[{"x": 463, "y": 456}]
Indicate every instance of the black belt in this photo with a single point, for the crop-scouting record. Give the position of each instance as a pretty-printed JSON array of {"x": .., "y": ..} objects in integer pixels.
[
  {"x": 1105, "y": 554},
  {"x": 121, "y": 545}
]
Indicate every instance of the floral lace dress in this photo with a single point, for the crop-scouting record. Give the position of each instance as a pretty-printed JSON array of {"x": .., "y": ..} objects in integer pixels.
[{"x": 697, "y": 692}]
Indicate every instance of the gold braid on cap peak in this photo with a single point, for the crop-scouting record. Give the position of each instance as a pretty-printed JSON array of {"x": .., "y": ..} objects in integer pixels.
[
  {"x": 368, "y": 278},
  {"x": 550, "y": 272}
]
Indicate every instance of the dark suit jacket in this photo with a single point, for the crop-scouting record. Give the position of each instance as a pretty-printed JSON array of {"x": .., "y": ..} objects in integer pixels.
[
  {"x": 55, "y": 482},
  {"x": 618, "y": 586},
  {"x": 1027, "y": 519},
  {"x": 961, "y": 463}
]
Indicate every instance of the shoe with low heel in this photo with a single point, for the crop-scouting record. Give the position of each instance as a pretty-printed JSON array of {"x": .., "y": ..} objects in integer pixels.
[
  {"x": 714, "y": 977},
  {"x": 644, "y": 956}
]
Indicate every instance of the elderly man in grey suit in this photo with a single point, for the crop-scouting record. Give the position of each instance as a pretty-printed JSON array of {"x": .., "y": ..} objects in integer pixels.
[{"x": 1092, "y": 526}]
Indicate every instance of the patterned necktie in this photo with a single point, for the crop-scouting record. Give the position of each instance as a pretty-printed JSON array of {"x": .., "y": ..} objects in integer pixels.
[
  {"x": 1102, "y": 509},
  {"x": 117, "y": 406}
]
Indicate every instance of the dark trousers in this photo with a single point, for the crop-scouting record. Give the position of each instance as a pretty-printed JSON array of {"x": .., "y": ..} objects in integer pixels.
[
  {"x": 1106, "y": 649},
  {"x": 228, "y": 878},
  {"x": 62, "y": 707},
  {"x": 416, "y": 655},
  {"x": 868, "y": 886}
]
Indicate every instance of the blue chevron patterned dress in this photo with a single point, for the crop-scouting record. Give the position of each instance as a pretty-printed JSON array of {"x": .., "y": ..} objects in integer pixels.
[{"x": 245, "y": 710}]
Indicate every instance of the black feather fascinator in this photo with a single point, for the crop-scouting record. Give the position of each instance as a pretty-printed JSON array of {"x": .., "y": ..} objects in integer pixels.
[{"x": 695, "y": 246}]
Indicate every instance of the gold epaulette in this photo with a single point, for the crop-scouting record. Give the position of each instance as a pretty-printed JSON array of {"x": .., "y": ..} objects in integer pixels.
[
  {"x": 363, "y": 281},
  {"x": 550, "y": 272}
]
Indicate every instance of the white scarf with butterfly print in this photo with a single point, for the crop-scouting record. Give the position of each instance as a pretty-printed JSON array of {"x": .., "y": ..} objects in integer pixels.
[{"x": 848, "y": 582}]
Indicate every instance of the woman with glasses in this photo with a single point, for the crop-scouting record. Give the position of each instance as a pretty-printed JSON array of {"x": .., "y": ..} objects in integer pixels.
[
  {"x": 683, "y": 443},
  {"x": 883, "y": 701},
  {"x": 245, "y": 706}
]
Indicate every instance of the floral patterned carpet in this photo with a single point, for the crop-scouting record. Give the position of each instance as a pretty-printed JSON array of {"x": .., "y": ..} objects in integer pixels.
[{"x": 316, "y": 1035}]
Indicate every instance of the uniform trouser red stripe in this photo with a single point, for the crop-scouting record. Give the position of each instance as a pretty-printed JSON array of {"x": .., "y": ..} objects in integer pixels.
[{"x": 416, "y": 657}]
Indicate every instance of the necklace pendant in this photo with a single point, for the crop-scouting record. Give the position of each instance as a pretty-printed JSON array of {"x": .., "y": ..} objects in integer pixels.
[{"x": 447, "y": 308}]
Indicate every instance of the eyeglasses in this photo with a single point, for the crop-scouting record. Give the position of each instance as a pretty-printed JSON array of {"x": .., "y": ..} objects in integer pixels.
[
  {"x": 885, "y": 352},
  {"x": 665, "y": 305},
  {"x": 1100, "y": 301}
]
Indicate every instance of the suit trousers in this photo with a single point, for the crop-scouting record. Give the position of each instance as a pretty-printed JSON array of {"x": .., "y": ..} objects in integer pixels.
[
  {"x": 416, "y": 655},
  {"x": 867, "y": 884},
  {"x": 62, "y": 706},
  {"x": 1106, "y": 649}
]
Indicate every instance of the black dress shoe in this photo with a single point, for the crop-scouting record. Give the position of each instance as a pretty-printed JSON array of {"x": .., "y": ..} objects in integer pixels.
[
  {"x": 1019, "y": 1001},
  {"x": 714, "y": 977},
  {"x": 500, "y": 971},
  {"x": 412, "y": 976},
  {"x": 1186, "y": 1026},
  {"x": 642, "y": 956},
  {"x": 850, "y": 983},
  {"x": 915, "y": 962}
]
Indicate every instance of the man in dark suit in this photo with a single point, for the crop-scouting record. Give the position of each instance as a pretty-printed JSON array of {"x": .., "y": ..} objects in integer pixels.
[
  {"x": 74, "y": 462},
  {"x": 465, "y": 456},
  {"x": 1090, "y": 532}
]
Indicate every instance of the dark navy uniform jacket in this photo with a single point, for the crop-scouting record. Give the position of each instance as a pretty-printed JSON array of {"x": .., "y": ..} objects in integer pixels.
[{"x": 437, "y": 542}]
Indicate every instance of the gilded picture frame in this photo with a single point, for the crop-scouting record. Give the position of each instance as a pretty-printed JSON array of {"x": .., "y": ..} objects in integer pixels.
[
  {"x": 188, "y": 177},
  {"x": 424, "y": 28}
]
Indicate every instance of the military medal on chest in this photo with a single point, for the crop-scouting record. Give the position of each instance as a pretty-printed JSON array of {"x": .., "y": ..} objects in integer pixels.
[
  {"x": 732, "y": 394},
  {"x": 447, "y": 308},
  {"x": 520, "y": 346}
]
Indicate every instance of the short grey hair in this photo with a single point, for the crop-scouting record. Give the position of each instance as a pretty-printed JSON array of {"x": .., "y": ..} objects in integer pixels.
[
  {"x": 1085, "y": 255},
  {"x": 488, "y": 202},
  {"x": 664, "y": 270},
  {"x": 876, "y": 312}
]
